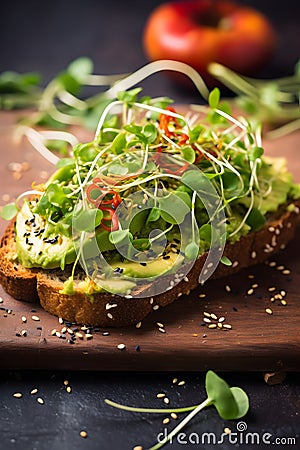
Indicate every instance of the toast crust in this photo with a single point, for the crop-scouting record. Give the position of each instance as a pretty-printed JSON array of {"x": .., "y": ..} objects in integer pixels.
[{"x": 108, "y": 310}]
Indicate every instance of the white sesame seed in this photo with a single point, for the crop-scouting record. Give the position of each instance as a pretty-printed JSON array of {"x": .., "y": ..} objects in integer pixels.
[
  {"x": 235, "y": 264},
  {"x": 66, "y": 382},
  {"x": 202, "y": 295},
  {"x": 220, "y": 325},
  {"x": 181, "y": 383},
  {"x": 36, "y": 318},
  {"x": 286, "y": 272},
  {"x": 213, "y": 316},
  {"x": 250, "y": 291},
  {"x": 155, "y": 307},
  {"x": 212, "y": 325},
  {"x": 109, "y": 306},
  {"x": 34, "y": 391},
  {"x": 138, "y": 325},
  {"x": 206, "y": 314},
  {"x": 272, "y": 264},
  {"x": 226, "y": 325},
  {"x": 174, "y": 416},
  {"x": 221, "y": 319},
  {"x": 174, "y": 381},
  {"x": 18, "y": 395},
  {"x": 160, "y": 395},
  {"x": 109, "y": 315},
  {"x": 166, "y": 400},
  {"x": 69, "y": 389},
  {"x": 24, "y": 319},
  {"x": 269, "y": 311},
  {"x": 227, "y": 288},
  {"x": 162, "y": 330},
  {"x": 83, "y": 434},
  {"x": 60, "y": 320},
  {"x": 272, "y": 289},
  {"x": 186, "y": 279},
  {"x": 160, "y": 325},
  {"x": 121, "y": 346},
  {"x": 283, "y": 302},
  {"x": 253, "y": 255},
  {"x": 206, "y": 320},
  {"x": 166, "y": 420},
  {"x": 40, "y": 400}
]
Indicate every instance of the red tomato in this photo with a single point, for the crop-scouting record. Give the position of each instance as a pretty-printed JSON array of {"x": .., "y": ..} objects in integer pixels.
[{"x": 198, "y": 32}]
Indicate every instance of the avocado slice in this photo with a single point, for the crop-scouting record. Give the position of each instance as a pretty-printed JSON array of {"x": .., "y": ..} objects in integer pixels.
[{"x": 36, "y": 246}]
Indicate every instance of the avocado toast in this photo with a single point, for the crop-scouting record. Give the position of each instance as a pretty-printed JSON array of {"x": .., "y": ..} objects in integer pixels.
[{"x": 120, "y": 230}]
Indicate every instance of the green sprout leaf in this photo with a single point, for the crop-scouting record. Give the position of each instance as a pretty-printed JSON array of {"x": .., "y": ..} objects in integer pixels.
[
  {"x": 80, "y": 69},
  {"x": 129, "y": 96},
  {"x": 191, "y": 251},
  {"x": 118, "y": 236},
  {"x": 226, "y": 261},
  {"x": 230, "y": 402},
  {"x": 87, "y": 219},
  {"x": 214, "y": 98},
  {"x": 9, "y": 211}
]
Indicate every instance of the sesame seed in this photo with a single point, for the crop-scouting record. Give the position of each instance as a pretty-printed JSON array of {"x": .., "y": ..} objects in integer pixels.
[
  {"x": 174, "y": 381},
  {"x": 138, "y": 447},
  {"x": 160, "y": 395},
  {"x": 138, "y": 325},
  {"x": 166, "y": 400},
  {"x": 60, "y": 320},
  {"x": 174, "y": 416},
  {"x": 160, "y": 325},
  {"x": 206, "y": 320},
  {"x": 206, "y": 314},
  {"x": 220, "y": 325},
  {"x": 213, "y": 316},
  {"x": 202, "y": 295},
  {"x": 66, "y": 382},
  {"x": 269, "y": 311},
  {"x": 1, "y": 300},
  {"x": 212, "y": 325},
  {"x": 166, "y": 420},
  {"x": 24, "y": 333},
  {"x": 272, "y": 264},
  {"x": 155, "y": 307},
  {"x": 283, "y": 302},
  {"x": 162, "y": 330},
  {"x": 255, "y": 285},
  {"x": 250, "y": 291},
  {"x": 227, "y": 430},
  {"x": 221, "y": 319},
  {"x": 18, "y": 395},
  {"x": 40, "y": 400},
  {"x": 24, "y": 319},
  {"x": 280, "y": 267},
  {"x": 121, "y": 346},
  {"x": 63, "y": 330},
  {"x": 253, "y": 255},
  {"x": 53, "y": 332},
  {"x": 36, "y": 318},
  {"x": 181, "y": 383},
  {"x": 109, "y": 315},
  {"x": 286, "y": 272},
  {"x": 283, "y": 293},
  {"x": 227, "y": 288},
  {"x": 272, "y": 289},
  {"x": 69, "y": 389},
  {"x": 250, "y": 276},
  {"x": 235, "y": 264},
  {"x": 79, "y": 335},
  {"x": 83, "y": 434},
  {"x": 89, "y": 336},
  {"x": 34, "y": 391},
  {"x": 226, "y": 325}
]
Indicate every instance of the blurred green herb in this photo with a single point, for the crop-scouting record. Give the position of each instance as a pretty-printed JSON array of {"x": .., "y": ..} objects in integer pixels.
[{"x": 272, "y": 102}]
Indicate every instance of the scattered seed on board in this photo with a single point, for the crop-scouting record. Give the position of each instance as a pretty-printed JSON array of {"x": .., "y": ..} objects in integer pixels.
[
  {"x": 36, "y": 318},
  {"x": 40, "y": 400},
  {"x": 69, "y": 389},
  {"x": 161, "y": 395},
  {"x": 166, "y": 400},
  {"x": 34, "y": 391},
  {"x": 83, "y": 434},
  {"x": 174, "y": 416},
  {"x": 269, "y": 311},
  {"x": 24, "y": 319},
  {"x": 121, "y": 346},
  {"x": 213, "y": 316},
  {"x": 174, "y": 381},
  {"x": 18, "y": 395},
  {"x": 181, "y": 383},
  {"x": 166, "y": 420},
  {"x": 138, "y": 447}
]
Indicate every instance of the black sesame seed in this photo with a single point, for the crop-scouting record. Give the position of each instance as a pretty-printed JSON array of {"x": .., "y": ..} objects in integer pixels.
[
  {"x": 167, "y": 257},
  {"x": 143, "y": 264},
  {"x": 234, "y": 308},
  {"x": 203, "y": 324},
  {"x": 137, "y": 348}
]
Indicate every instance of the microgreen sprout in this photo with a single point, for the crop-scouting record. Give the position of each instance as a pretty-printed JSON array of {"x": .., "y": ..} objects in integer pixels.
[{"x": 230, "y": 402}]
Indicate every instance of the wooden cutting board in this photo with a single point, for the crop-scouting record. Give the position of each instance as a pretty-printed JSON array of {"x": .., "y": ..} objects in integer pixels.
[{"x": 257, "y": 341}]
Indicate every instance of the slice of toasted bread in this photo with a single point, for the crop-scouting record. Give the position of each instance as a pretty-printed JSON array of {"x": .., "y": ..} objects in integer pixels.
[{"x": 106, "y": 309}]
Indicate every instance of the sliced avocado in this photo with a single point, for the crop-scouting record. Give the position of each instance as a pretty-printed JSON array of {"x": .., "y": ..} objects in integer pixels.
[
  {"x": 150, "y": 269},
  {"x": 38, "y": 248}
]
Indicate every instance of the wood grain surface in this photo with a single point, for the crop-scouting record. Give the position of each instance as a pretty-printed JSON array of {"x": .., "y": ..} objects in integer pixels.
[{"x": 256, "y": 341}]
